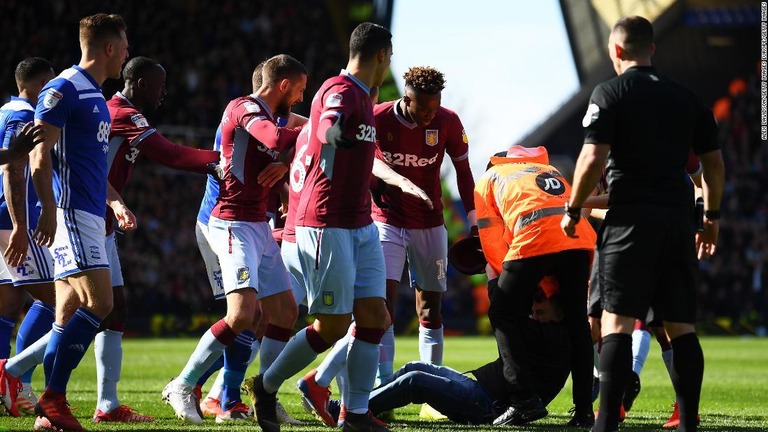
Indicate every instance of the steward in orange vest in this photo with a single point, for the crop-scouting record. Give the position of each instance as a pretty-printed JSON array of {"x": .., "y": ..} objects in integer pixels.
[{"x": 519, "y": 202}]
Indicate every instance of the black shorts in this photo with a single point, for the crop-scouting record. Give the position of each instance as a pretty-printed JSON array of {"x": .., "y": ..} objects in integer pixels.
[
  {"x": 594, "y": 306},
  {"x": 648, "y": 259}
]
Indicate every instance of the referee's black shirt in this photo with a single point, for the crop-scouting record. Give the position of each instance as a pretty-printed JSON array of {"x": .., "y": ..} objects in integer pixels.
[{"x": 650, "y": 122}]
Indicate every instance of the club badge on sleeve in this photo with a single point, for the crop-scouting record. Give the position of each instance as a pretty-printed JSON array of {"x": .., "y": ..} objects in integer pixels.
[{"x": 52, "y": 98}]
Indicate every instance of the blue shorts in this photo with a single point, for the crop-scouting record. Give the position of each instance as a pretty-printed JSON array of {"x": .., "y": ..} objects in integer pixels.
[
  {"x": 290, "y": 253},
  {"x": 249, "y": 257},
  {"x": 340, "y": 265}
]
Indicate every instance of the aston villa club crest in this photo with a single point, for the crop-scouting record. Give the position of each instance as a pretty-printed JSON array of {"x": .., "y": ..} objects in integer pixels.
[
  {"x": 431, "y": 137},
  {"x": 243, "y": 275},
  {"x": 328, "y": 298}
]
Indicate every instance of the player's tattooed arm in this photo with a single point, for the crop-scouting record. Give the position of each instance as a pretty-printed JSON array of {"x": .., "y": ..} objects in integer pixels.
[{"x": 15, "y": 189}]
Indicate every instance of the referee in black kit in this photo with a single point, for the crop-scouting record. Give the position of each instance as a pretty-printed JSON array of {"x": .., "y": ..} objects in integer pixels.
[{"x": 643, "y": 124}]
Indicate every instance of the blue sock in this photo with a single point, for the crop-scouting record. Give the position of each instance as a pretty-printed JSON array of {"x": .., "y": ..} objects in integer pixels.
[
  {"x": 218, "y": 364},
  {"x": 74, "y": 342},
  {"x": 6, "y": 328},
  {"x": 50, "y": 351},
  {"x": 235, "y": 363},
  {"x": 35, "y": 325}
]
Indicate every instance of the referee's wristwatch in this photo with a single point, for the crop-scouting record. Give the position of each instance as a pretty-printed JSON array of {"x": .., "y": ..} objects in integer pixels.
[
  {"x": 712, "y": 214},
  {"x": 573, "y": 212}
]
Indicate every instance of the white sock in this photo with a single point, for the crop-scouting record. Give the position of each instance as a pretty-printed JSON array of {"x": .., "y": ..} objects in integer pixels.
[
  {"x": 218, "y": 386},
  {"x": 108, "y": 349},
  {"x": 361, "y": 369},
  {"x": 297, "y": 355},
  {"x": 270, "y": 349},
  {"x": 641, "y": 346},
  {"x": 208, "y": 350},
  {"x": 386, "y": 355},
  {"x": 333, "y": 363},
  {"x": 32, "y": 356},
  {"x": 431, "y": 345}
]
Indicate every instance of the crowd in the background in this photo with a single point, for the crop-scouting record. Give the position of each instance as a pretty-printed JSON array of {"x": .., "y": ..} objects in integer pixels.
[
  {"x": 734, "y": 286},
  {"x": 210, "y": 47}
]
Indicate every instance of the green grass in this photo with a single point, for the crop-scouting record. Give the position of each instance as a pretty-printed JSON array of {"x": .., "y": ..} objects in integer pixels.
[{"x": 735, "y": 395}]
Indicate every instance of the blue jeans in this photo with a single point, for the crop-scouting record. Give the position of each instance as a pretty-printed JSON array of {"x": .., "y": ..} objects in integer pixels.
[{"x": 455, "y": 395}]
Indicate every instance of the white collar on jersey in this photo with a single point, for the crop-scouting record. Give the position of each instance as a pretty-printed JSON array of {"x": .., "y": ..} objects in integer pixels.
[
  {"x": 400, "y": 115},
  {"x": 264, "y": 105},
  {"x": 355, "y": 80},
  {"x": 122, "y": 96}
]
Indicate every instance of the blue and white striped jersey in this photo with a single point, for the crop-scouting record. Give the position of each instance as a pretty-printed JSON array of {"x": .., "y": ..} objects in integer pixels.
[
  {"x": 13, "y": 116},
  {"x": 73, "y": 102}
]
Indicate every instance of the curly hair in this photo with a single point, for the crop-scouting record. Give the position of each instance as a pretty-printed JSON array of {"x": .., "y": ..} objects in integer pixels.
[{"x": 424, "y": 79}]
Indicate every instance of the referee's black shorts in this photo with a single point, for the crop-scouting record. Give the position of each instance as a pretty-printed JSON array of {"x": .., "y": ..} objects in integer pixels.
[
  {"x": 594, "y": 305},
  {"x": 647, "y": 258}
]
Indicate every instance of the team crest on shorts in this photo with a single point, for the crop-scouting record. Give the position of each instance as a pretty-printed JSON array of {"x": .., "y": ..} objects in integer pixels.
[
  {"x": 327, "y": 298},
  {"x": 431, "y": 137},
  {"x": 243, "y": 275}
]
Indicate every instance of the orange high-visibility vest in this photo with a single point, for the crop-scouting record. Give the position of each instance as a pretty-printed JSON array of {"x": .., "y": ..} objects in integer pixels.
[{"x": 519, "y": 203}]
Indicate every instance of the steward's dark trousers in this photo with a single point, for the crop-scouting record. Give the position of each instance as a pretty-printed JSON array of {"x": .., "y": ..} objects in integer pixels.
[{"x": 511, "y": 304}]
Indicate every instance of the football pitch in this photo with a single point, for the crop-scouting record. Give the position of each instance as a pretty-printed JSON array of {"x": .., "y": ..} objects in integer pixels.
[{"x": 735, "y": 394}]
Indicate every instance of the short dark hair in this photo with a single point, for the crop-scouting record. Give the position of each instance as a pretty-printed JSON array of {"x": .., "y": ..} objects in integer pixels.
[
  {"x": 138, "y": 67},
  {"x": 367, "y": 40},
  {"x": 637, "y": 34},
  {"x": 257, "y": 78},
  {"x": 97, "y": 28},
  {"x": 424, "y": 79},
  {"x": 31, "y": 68},
  {"x": 280, "y": 67}
]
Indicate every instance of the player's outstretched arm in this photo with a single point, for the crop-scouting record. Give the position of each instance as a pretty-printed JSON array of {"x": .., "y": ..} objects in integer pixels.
[
  {"x": 389, "y": 176},
  {"x": 41, "y": 167},
  {"x": 126, "y": 220},
  {"x": 161, "y": 150}
]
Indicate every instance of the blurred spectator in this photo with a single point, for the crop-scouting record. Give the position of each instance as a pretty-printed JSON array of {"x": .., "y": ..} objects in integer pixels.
[{"x": 734, "y": 285}]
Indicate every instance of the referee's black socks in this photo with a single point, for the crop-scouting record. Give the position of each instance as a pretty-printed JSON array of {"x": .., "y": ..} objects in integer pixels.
[
  {"x": 687, "y": 374},
  {"x": 615, "y": 370}
]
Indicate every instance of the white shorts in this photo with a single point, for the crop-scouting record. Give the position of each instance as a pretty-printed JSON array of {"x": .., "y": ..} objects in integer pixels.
[
  {"x": 37, "y": 267},
  {"x": 210, "y": 259},
  {"x": 425, "y": 249},
  {"x": 79, "y": 243},
  {"x": 115, "y": 270},
  {"x": 244, "y": 248},
  {"x": 340, "y": 265},
  {"x": 290, "y": 253}
]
